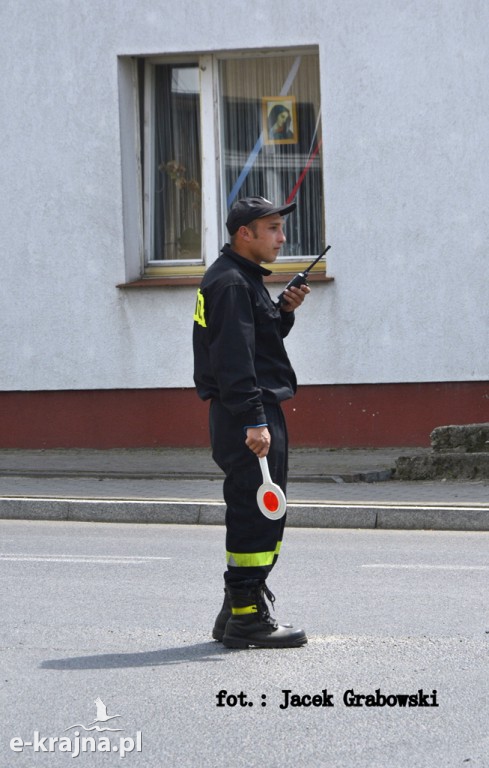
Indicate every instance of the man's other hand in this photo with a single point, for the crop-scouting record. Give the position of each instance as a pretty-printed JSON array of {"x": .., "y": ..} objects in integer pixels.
[{"x": 294, "y": 297}]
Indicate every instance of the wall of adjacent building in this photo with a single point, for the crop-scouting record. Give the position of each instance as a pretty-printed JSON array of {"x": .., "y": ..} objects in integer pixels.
[{"x": 405, "y": 114}]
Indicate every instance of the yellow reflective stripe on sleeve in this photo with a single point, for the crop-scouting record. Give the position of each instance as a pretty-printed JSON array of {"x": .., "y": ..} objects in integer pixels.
[
  {"x": 252, "y": 559},
  {"x": 244, "y": 611},
  {"x": 199, "y": 314}
]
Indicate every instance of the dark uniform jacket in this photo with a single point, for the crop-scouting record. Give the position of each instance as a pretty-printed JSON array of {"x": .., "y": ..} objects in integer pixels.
[{"x": 239, "y": 354}]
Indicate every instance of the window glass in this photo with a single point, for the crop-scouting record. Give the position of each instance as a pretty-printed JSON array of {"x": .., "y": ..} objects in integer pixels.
[
  {"x": 271, "y": 140},
  {"x": 177, "y": 179}
]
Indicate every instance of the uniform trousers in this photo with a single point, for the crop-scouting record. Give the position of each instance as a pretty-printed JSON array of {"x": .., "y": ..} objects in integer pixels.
[{"x": 252, "y": 540}]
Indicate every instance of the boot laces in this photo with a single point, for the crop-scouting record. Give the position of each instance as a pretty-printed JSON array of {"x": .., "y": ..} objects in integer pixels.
[
  {"x": 269, "y": 595},
  {"x": 262, "y": 592}
]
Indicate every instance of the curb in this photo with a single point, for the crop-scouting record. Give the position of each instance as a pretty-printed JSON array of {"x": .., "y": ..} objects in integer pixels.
[{"x": 404, "y": 516}]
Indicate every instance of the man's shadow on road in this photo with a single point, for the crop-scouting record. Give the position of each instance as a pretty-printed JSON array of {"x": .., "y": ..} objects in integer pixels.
[{"x": 200, "y": 652}]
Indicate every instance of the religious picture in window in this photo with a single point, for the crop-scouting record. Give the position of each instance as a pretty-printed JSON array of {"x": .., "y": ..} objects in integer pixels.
[{"x": 279, "y": 120}]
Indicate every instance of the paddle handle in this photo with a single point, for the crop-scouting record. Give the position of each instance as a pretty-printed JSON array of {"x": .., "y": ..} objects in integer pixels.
[{"x": 264, "y": 469}]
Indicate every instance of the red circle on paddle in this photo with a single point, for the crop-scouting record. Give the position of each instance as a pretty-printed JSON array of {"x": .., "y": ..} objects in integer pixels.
[{"x": 271, "y": 501}]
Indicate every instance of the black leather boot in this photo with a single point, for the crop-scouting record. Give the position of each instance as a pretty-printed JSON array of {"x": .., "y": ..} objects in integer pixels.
[
  {"x": 222, "y": 617},
  {"x": 251, "y": 623}
]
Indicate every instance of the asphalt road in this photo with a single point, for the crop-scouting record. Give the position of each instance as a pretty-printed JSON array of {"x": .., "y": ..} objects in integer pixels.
[{"x": 122, "y": 613}]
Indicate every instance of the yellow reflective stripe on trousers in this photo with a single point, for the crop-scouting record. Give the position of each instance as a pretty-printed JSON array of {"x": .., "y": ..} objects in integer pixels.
[{"x": 252, "y": 559}]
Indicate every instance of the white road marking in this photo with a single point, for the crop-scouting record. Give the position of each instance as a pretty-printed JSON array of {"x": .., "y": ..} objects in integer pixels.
[
  {"x": 410, "y": 506},
  {"x": 426, "y": 567},
  {"x": 96, "y": 559}
]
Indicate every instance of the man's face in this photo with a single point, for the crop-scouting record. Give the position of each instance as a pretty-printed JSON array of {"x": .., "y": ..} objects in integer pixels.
[{"x": 267, "y": 237}]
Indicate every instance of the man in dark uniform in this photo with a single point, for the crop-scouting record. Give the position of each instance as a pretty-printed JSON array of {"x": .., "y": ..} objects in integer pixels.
[{"x": 241, "y": 366}]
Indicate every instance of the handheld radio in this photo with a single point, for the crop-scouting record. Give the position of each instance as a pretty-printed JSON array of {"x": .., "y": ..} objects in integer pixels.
[{"x": 301, "y": 277}]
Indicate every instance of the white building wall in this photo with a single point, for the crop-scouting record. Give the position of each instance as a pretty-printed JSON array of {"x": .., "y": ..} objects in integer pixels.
[{"x": 406, "y": 152}]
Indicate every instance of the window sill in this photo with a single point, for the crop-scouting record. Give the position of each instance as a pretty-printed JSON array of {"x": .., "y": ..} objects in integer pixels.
[
  {"x": 168, "y": 282},
  {"x": 313, "y": 277},
  {"x": 159, "y": 282},
  {"x": 158, "y": 277}
]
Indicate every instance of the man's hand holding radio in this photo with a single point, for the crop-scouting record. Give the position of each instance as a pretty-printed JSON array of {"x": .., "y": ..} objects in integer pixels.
[{"x": 293, "y": 297}]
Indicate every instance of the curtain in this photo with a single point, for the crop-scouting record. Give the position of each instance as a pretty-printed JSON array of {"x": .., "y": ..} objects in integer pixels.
[
  {"x": 255, "y": 161},
  {"x": 177, "y": 192}
]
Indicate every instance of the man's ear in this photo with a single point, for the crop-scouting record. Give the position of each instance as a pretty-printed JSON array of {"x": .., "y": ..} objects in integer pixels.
[{"x": 244, "y": 233}]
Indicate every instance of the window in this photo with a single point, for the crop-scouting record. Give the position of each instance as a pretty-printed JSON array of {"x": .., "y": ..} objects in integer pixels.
[{"x": 216, "y": 128}]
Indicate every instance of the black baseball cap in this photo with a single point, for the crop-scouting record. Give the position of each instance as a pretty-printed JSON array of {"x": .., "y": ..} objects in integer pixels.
[{"x": 248, "y": 209}]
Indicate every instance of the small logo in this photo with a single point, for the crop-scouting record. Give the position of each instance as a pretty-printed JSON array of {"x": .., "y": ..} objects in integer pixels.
[
  {"x": 77, "y": 743},
  {"x": 102, "y": 717}
]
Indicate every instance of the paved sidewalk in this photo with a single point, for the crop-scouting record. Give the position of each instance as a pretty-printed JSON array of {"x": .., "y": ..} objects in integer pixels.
[
  {"x": 327, "y": 488},
  {"x": 145, "y": 463}
]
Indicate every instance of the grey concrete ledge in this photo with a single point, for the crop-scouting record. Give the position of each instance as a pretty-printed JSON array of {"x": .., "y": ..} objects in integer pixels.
[
  {"x": 456, "y": 466},
  {"x": 463, "y": 517},
  {"x": 461, "y": 438}
]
